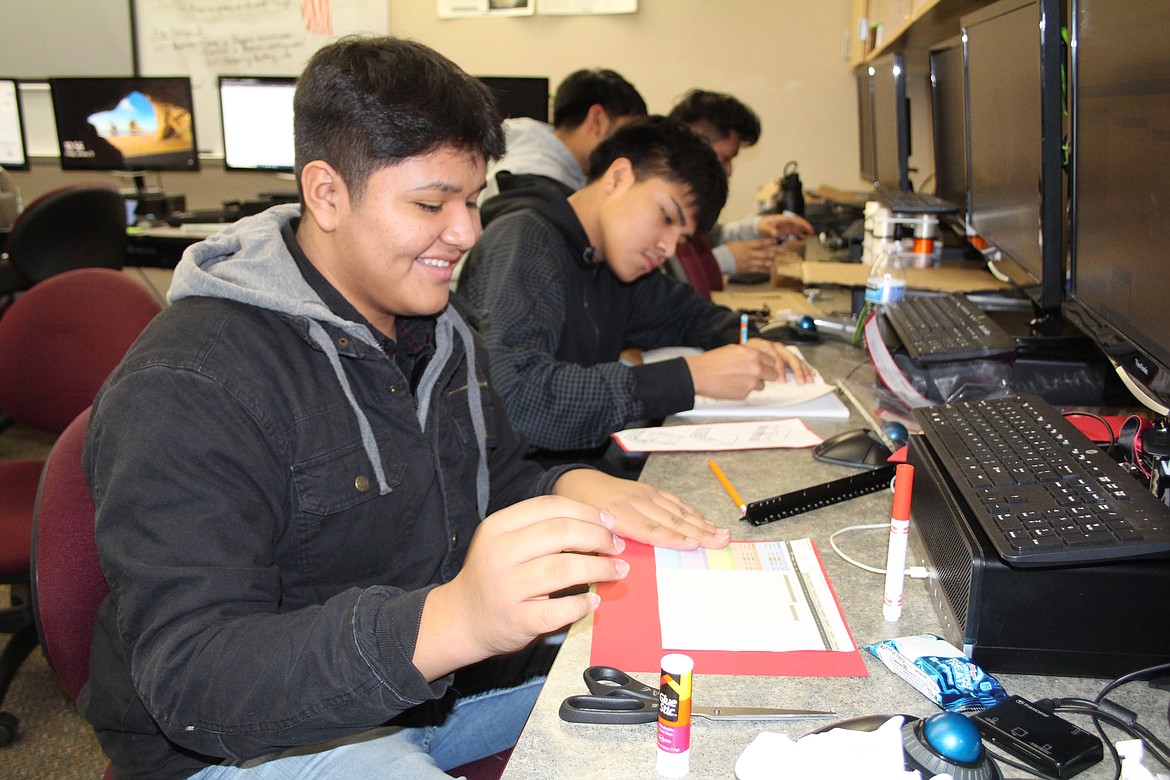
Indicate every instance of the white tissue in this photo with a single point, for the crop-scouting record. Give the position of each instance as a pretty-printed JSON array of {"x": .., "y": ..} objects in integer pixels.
[{"x": 837, "y": 754}]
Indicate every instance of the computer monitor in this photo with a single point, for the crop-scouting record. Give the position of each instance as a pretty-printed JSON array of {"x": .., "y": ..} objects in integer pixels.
[
  {"x": 865, "y": 135},
  {"x": 1013, "y": 56},
  {"x": 520, "y": 96},
  {"x": 891, "y": 123},
  {"x": 13, "y": 150},
  {"x": 131, "y": 123},
  {"x": 948, "y": 103},
  {"x": 1121, "y": 185},
  {"x": 256, "y": 113}
]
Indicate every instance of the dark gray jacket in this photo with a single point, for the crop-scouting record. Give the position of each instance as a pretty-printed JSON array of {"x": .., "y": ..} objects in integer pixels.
[{"x": 273, "y": 505}]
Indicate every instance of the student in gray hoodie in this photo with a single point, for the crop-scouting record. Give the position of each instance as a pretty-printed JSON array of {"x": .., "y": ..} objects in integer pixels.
[{"x": 317, "y": 526}]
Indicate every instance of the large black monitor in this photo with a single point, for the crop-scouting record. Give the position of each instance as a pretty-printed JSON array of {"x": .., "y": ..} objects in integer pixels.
[
  {"x": 520, "y": 96},
  {"x": 1121, "y": 187},
  {"x": 1014, "y": 103},
  {"x": 127, "y": 123},
  {"x": 865, "y": 137},
  {"x": 13, "y": 150},
  {"x": 891, "y": 123},
  {"x": 948, "y": 100},
  {"x": 256, "y": 113}
]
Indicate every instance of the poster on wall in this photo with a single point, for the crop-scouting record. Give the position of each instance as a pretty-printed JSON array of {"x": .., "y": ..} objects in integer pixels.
[
  {"x": 206, "y": 39},
  {"x": 462, "y": 9},
  {"x": 584, "y": 7}
]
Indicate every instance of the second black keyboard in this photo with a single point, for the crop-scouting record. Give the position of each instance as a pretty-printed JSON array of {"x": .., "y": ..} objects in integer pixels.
[
  {"x": 946, "y": 328},
  {"x": 1041, "y": 490}
]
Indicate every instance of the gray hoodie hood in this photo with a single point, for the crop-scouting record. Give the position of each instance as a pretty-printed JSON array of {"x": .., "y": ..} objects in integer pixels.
[{"x": 248, "y": 262}]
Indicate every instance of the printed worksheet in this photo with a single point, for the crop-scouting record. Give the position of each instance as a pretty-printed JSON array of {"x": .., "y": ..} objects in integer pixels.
[{"x": 763, "y": 596}]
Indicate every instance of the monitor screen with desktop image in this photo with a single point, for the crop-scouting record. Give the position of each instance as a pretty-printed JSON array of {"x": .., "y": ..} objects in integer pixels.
[
  {"x": 1014, "y": 122},
  {"x": 13, "y": 149},
  {"x": 256, "y": 114},
  {"x": 1121, "y": 183},
  {"x": 128, "y": 123},
  {"x": 520, "y": 96},
  {"x": 948, "y": 103}
]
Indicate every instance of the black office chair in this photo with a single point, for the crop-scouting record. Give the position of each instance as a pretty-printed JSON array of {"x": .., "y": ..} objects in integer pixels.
[{"x": 79, "y": 226}]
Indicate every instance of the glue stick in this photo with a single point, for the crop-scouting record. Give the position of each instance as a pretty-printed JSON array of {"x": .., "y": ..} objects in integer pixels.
[{"x": 674, "y": 716}]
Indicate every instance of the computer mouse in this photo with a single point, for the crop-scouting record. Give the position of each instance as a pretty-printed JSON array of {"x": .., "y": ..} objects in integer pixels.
[
  {"x": 944, "y": 743},
  {"x": 786, "y": 333},
  {"x": 860, "y": 448}
]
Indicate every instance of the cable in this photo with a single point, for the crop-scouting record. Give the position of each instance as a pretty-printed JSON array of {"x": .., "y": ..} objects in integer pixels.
[
  {"x": 914, "y": 572},
  {"x": 1002, "y": 759},
  {"x": 1100, "y": 419}
]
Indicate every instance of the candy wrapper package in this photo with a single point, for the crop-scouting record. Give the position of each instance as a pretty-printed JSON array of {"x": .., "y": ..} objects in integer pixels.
[{"x": 940, "y": 672}]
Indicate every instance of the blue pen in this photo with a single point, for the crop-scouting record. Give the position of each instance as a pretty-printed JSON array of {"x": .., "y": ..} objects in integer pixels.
[{"x": 743, "y": 321}]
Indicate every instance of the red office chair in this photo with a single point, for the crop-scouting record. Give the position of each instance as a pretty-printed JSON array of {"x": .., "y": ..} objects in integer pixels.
[
  {"x": 78, "y": 226},
  {"x": 700, "y": 266},
  {"x": 58, "y": 343},
  {"x": 68, "y": 585}
]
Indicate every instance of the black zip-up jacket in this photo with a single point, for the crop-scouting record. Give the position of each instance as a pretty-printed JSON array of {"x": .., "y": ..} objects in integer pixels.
[
  {"x": 557, "y": 320},
  {"x": 266, "y": 590}
]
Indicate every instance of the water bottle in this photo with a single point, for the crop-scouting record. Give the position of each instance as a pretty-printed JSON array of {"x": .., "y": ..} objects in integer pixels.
[{"x": 886, "y": 282}]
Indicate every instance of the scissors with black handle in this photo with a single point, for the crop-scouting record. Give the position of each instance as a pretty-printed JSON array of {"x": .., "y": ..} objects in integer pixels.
[{"x": 615, "y": 697}]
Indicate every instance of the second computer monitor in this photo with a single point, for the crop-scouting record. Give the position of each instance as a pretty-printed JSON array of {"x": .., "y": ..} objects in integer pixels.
[
  {"x": 520, "y": 96},
  {"x": 891, "y": 123},
  {"x": 256, "y": 113},
  {"x": 1014, "y": 103},
  {"x": 13, "y": 150},
  {"x": 948, "y": 95}
]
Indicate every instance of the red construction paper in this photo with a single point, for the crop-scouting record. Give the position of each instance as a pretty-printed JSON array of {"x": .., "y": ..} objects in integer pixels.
[{"x": 626, "y": 634}]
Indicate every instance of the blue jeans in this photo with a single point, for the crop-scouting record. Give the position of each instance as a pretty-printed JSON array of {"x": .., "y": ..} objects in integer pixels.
[{"x": 479, "y": 725}]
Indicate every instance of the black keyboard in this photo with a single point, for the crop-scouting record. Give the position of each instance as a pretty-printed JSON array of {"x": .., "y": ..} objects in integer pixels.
[
  {"x": 915, "y": 202},
  {"x": 1039, "y": 488},
  {"x": 946, "y": 328}
]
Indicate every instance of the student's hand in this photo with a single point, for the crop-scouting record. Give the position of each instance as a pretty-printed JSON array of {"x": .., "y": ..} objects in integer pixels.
[
  {"x": 643, "y": 512},
  {"x": 801, "y": 373},
  {"x": 754, "y": 256},
  {"x": 733, "y": 371},
  {"x": 778, "y": 226},
  {"x": 500, "y": 600}
]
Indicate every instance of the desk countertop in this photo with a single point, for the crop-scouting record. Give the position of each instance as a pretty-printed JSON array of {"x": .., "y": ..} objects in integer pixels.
[{"x": 552, "y": 749}]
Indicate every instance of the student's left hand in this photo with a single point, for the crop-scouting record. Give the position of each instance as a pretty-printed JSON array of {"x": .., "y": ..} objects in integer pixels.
[
  {"x": 643, "y": 512},
  {"x": 780, "y": 226},
  {"x": 801, "y": 373}
]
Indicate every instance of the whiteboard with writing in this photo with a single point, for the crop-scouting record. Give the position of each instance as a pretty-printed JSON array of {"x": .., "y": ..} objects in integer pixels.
[{"x": 205, "y": 39}]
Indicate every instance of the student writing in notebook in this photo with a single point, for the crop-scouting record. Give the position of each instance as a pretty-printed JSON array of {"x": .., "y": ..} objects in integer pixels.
[{"x": 568, "y": 282}]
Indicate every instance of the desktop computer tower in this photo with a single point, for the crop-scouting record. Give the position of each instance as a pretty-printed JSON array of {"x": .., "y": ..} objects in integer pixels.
[{"x": 1083, "y": 621}]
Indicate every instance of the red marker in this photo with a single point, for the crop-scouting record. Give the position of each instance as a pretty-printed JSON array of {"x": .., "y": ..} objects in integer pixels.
[{"x": 899, "y": 539}]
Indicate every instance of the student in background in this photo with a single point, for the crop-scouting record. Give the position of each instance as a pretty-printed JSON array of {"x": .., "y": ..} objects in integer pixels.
[
  {"x": 746, "y": 246},
  {"x": 587, "y": 106},
  {"x": 567, "y": 283},
  {"x": 323, "y": 543}
]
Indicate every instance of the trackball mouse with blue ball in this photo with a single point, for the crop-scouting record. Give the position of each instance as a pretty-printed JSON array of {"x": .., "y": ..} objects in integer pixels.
[{"x": 944, "y": 743}]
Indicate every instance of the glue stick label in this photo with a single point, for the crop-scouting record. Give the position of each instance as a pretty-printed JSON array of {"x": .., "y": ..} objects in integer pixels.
[{"x": 674, "y": 712}]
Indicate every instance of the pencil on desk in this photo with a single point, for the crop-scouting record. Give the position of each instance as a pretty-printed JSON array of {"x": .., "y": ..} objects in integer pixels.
[{"x": 739, "y": 502}]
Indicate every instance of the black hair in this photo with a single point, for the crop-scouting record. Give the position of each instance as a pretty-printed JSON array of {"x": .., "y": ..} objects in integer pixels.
[
  {"x": 365, "y": 103},
  {"x": 664, "y": 147},
  {"x": 584, "y": 88},
  {"x": 718, "y": 113}
]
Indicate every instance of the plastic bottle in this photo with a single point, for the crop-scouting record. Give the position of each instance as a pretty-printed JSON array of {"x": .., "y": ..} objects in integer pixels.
[{"x": 886, "y": 282}]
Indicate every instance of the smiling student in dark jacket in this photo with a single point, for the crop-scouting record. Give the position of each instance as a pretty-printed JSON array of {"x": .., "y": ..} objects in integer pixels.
[
  {"x": 313, "y": 516},
  {"x": 567, "y": 283}
]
